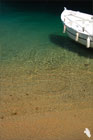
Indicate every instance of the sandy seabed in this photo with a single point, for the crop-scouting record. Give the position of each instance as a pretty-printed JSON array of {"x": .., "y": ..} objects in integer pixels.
[
  {"x": 46, "y": 80},
  {"x": 50, "y": 105}
]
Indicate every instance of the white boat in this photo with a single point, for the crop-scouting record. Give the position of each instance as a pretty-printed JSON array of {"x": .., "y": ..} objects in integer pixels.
[{"x": 78, "y": 26}]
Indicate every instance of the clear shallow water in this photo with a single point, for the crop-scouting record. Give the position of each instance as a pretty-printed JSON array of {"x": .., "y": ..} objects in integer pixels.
[
  {"x": 32, "y": 41},
  {"x": 41, "y": 71},
  {"x": 36, "y": 38}
]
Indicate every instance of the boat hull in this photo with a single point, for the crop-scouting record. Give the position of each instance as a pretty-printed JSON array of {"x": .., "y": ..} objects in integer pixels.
[
  {"x": 78, "y": 26},
  {"x": 82, "y": 39}
]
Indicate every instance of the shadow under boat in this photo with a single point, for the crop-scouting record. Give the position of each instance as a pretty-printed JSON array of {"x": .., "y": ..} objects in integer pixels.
[{"x": 68, "y": 44}]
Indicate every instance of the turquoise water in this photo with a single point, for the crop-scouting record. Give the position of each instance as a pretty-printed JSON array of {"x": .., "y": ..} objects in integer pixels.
[
  {"x": 39, "y": 61},
  {"x": 36, "y": 38},
  {"x": 42, "y": 70}
]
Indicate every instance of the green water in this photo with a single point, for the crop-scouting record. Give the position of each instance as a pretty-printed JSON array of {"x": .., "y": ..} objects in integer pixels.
[
  {"x": 37, "y": 59},
  {"x": 36, "y": 39},
  {"x": 33, "y": 41}
]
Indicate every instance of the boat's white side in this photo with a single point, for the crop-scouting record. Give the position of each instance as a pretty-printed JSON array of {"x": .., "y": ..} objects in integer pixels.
[
  {"x": 78, "y": 26},
  {"x": 82, "y": 38}
]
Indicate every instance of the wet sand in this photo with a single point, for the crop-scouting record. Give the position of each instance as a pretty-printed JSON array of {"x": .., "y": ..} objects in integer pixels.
[{"x": 54, "y": 104}]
